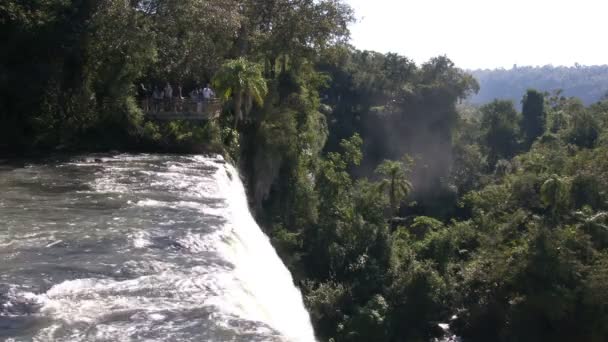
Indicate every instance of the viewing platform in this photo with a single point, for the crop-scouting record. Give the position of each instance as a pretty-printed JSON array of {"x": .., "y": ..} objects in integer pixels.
[{"x": 184, "y": 109}]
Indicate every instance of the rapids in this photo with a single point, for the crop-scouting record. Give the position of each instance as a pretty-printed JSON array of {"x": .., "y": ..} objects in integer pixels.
[{"x": 138, "y": 247}]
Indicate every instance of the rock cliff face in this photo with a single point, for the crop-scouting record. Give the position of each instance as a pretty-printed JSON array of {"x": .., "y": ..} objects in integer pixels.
[
  {"x": 260, "y": 165},
  {"x": 266, "y": 171}
]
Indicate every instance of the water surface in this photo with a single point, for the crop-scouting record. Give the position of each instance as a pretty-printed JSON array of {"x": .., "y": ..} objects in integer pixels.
[{"x": 138, "y": 247}]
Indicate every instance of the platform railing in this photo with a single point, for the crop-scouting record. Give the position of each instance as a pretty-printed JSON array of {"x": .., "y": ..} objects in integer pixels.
[{"x": 182, "y": 109}]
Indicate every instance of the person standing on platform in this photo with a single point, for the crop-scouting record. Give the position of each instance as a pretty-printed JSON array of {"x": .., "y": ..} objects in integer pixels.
[
  {"x": 208, "y": 93},
  {"x": 179, "y": 99},
  {"x": 157, "y": 97},
  {"x": 168, "y": 96},
  {"x": 199, "y": 100},
  {"x": 142, "y": 93}
]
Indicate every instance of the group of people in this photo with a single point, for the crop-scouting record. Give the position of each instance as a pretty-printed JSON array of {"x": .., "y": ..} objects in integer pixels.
[{"x": 163, "y": 99}]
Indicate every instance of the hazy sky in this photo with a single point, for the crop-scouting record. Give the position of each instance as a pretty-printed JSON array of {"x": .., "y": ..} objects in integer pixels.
[{"x": 486, "y": 33}]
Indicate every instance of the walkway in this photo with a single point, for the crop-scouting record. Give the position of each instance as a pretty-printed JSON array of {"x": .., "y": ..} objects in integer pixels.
[{"x": 185, "y": 109}]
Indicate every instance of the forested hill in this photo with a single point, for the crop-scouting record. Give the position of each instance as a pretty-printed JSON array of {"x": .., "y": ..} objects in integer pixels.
[
  {"x": 589, "y": 83},
  {"x": 393, "y": 208}
]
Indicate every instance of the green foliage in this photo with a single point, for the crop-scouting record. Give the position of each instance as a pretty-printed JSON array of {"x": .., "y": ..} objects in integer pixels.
[
  {"x": 397, "y": 108},
  {"x": 230, "y": 139},
  {"x": 325, "y": 302},
  {"x": 184, "y": 136},
  {"x": 584, "y": 131},
  {"x": 151, "y": 132},
  {"x": 469, "y": 165},
  {"x": 192, "y": 37},
  {"x": 499, "y": 124},
  {"x": 585, "y": 190},
  {"x": 535, "y": 252},
  {"x": 99, "y": 49},
  {"x": 511, "y": 240},
  {"x": 243, "y": 81},
  {"x": 368, "y": 323},
  {"x": 554, "y": 194},
  {"x": 515, "y": 268},
  {"x": 287, "y": 32},
  {"x": 424, "y": 225},
  {"x": 415, "y": 296},
  {"x": 589, "y": 83},
  {"x": 533, "y": 116},
  {"x": 394, "y": 181}
]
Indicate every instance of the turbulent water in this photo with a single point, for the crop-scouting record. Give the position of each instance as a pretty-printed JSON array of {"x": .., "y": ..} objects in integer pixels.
[{"x": 138, "y": 247}]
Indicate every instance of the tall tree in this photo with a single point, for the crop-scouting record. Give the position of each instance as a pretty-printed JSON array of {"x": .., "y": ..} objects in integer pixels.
[
  {"x": 243, "y": 81},
  {"x": 584, "y": 130},
  {"x": 288, "y": 30},
  {"x": 70, "y": 67},
  {"x": 554, "y": 195},
  {"x": 533, "y": 116},
  {"x": 192, "y": 37},
  {"x": 394, "y": 182},
  {"x": 499, "y": 125}
]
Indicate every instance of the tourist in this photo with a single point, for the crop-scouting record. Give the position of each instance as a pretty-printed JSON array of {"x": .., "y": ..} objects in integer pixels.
[
  {"x": 142, "y": 93},
  {"x": 179, "y": 99},
  {"x": 200, "y": 99},
  {"x": 194, "y": 94},
  {"x": 157, "y": 97},
  {"x": 208, "y": 93},
  {"x": 168, "y": 95}
]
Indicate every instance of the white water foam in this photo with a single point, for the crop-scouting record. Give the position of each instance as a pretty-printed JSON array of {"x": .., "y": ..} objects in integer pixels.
[
  {"x": 251, "y": 283},
  {"x": 259, "y": 266}
]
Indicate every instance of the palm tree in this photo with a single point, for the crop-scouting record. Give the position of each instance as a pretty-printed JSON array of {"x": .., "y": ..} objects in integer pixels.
[
  {"x": 395, "y": 182},
  {"x": 554, "y": 194},
  {"x": 242, "y": 80}
]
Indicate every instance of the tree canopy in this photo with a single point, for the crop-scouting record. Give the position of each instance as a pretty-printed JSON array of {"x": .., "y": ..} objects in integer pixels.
[{"x": 504, "y": 234}]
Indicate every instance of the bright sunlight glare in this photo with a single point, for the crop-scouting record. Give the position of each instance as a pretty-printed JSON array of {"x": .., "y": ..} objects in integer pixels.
[{"x": 485, "y": 33}]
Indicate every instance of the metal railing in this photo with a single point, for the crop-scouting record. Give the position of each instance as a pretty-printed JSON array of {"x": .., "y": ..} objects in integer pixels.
[{"x": 182, "y": 109}]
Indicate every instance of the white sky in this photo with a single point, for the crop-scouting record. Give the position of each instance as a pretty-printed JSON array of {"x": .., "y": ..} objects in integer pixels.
[{"x": 486, "y": 33}]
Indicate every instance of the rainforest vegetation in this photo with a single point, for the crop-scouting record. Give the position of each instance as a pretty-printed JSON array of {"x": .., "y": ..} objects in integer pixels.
[
  {"x": 395, "y": 206},
  {"x": 588, "y": 83}
]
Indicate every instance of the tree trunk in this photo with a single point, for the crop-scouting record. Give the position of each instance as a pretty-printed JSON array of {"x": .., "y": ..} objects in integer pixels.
[
  {"x": 248, "y": 104},
  {"x": 243, "y": 40},
  {"x": 284, "y": 64},
  {"x": 273, "y": 63},
  {"x": 393, "y": 197},
  {"x": 238, "y": 104}
]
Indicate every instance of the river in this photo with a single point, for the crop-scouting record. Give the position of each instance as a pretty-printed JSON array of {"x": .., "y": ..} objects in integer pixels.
[{"x": 138, "y": 247}]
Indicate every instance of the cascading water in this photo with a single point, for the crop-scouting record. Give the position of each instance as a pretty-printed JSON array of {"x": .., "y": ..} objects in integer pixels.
[{"x": 139, "y": 247}]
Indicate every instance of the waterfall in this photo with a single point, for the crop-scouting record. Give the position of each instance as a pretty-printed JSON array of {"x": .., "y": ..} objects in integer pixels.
[
  {"x": 140, "y": 247},
  {"x": 259, "y": 266}
]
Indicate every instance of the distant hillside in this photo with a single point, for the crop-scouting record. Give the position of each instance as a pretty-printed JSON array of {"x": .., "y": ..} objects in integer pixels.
[{"x": 589, "y": 83}]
